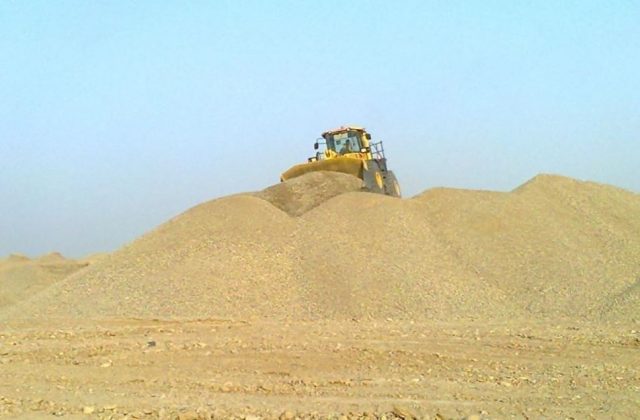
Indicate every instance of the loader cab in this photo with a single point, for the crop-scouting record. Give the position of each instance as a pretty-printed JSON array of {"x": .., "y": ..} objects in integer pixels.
[{"x": 346, "y": 141}]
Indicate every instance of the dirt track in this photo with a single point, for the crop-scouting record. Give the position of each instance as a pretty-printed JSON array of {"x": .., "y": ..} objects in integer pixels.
[{"x": 199, "y": 369}]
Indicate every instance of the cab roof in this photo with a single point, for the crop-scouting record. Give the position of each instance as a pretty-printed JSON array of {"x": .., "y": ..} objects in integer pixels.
[{"x": 344, "y": 128}]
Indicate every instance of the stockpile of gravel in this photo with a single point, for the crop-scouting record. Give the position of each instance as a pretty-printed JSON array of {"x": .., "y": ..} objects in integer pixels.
[
  {"x": 299, "y": 195},
  {"x": 318, "y": 247},
  {"x": 22, "y": 278}
]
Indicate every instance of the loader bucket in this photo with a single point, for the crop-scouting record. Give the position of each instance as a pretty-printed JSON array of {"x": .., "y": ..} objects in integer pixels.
[{"x": 345, "y": 165}]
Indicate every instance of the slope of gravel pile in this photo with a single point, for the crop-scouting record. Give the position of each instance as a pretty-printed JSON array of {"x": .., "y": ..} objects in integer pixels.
[
  {"x": 299, "y": 195},
  {"x": 21, "y": 277},
  {"x": 556, "y": 246},
  {"x": 226, "y": 258},
  {"x": 367, "y": 255},
  {"x": 553, "y": 248}
]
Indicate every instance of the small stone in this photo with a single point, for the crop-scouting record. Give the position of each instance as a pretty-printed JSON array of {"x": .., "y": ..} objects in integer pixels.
[
  {"x": 88, "y": 410},
  {"x": 474, "y": 417},
  {"x": 288, "y": 415},
  {"x": 404, "y": 412},
  {"x": 267, "y": 387},
  {"x": 219, "y": 413},
  {"x": 189, "y": 415}
]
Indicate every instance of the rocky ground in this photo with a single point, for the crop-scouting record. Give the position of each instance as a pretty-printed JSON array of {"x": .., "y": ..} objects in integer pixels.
[{"x": 375, "y": 369}]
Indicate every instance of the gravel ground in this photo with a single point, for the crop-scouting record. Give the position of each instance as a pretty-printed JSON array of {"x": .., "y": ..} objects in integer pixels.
[{"x": 322, "y": 369}]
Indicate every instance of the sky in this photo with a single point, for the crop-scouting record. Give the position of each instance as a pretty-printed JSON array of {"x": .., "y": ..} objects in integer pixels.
[{"x": 118, "y": 115}]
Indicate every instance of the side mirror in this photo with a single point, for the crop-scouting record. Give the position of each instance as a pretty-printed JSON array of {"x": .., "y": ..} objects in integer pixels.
[
  {"x": 368, "y": 136},
  {"x": 315, "y": 146}
]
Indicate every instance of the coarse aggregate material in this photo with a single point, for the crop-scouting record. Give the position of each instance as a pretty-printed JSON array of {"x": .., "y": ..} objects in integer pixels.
[{"x": 318, "y": 247}]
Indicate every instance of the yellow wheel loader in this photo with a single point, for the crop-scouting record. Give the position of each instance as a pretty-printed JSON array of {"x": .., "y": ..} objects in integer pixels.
[{"x": 349, "y": 150}]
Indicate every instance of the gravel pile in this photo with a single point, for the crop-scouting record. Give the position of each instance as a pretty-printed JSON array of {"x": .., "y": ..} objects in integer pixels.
[
  {"x": 22, "y": 278},
  {"x": 317, "y": 247},
  {"x": 299, "y": 195}
]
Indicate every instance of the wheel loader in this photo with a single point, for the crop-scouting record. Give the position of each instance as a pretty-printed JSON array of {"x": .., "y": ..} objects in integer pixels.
[{"x": 349, "y": 149}]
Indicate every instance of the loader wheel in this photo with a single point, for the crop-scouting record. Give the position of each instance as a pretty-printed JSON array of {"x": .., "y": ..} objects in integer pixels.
[
  {"x": 396, "y": 188},
  {"x": 391, "y": 186},
  {"x": 379, "y": 180},
  {"x": 373, "y": 180}
]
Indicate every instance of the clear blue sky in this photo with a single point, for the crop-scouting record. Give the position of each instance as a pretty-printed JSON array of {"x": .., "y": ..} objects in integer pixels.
[{"x": 117, "y": 115}]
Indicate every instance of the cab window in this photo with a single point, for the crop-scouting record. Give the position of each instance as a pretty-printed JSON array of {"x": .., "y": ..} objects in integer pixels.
[{"x": 344, "y": 142}]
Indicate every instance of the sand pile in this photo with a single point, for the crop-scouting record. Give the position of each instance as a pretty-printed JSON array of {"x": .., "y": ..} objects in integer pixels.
[
  {"x": 21, "y": 277},
  {"x": 317, "y": 247}
]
